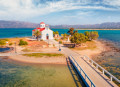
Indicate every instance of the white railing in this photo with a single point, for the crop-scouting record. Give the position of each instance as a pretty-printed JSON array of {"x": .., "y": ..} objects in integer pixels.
[
  {"x": 103, "y": 70},
  {"x": 86, "y": 79}
]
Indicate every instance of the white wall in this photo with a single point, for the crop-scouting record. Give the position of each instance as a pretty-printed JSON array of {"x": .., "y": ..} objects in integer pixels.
[
  {"x": 45, "y": 32},
  {"x": 42, "y": 25}
]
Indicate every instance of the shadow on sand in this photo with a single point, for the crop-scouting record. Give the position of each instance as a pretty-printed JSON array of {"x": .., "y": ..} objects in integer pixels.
[{"x": 77, "y": 79}]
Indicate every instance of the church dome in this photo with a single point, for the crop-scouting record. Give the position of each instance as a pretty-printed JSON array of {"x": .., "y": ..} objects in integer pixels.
[{"x": 42, "y": 23}]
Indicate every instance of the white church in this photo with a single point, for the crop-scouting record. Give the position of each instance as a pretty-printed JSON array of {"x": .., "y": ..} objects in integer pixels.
[{"x": 46, "y": 32}]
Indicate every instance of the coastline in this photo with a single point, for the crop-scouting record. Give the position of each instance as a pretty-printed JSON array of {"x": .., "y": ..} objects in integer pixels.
[
  {"x": 108, "y": 55},
  {"x": 97, "y": 29},
  {"x": 39, "y": 60},
  {"x": 100, "y": 47},
  {"x": 61, "y": 60}
]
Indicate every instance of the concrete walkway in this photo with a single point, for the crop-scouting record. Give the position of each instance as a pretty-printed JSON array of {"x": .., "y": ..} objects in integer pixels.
[{"x": 94, "y": 74}]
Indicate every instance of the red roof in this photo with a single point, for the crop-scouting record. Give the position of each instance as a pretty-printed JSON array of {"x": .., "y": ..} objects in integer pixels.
[
  {"x": 42, "y": 23},
  {"x": 40, "y": 29}
]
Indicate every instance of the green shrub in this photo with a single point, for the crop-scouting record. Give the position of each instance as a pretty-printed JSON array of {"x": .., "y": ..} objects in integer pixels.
[
  {"x": 55, "y": 32},
  {"x": 41, "y": 40},
  {"x": 21, "y": 42},
  {"x": 53, "y": 45},
  {"x": 78, "y": 38},
  {"x": 56, "y": 39},
  {"x": 60, "y": 42},
  {"x": 10, "y": 44},
  {"x": 2, "y": 42},
  {"x": 26, "y": 50},
  {"x": 93, "y": 35}
]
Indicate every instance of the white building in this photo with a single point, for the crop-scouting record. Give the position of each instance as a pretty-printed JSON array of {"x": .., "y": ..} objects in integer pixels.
[{"x": 46, "y": 32}]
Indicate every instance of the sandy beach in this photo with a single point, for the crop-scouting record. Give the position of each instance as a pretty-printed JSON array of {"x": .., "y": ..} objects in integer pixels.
[
  {"x": 41, "y": 60},
  {"x": 41, "y": 46},
  {"x": 100, "y": 47}
]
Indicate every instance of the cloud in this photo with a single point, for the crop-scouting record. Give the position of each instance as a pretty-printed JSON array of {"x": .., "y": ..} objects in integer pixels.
[
  {"x": 26, "y": 9},
  {"x": 115, "y": 3}
]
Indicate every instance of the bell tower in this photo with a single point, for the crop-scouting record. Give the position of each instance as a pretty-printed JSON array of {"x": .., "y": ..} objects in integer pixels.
[{"x": 42, "y": 25}]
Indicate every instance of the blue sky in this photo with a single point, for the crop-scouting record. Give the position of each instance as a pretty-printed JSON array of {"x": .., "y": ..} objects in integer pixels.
[{"x": 56, "y": 12}]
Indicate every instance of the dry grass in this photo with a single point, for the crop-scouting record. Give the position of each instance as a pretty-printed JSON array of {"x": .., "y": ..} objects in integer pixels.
[
  {"x": 26, "y": 50},
  {"x": 89, "y": 45},
  {"x": 43, "y": 54}
]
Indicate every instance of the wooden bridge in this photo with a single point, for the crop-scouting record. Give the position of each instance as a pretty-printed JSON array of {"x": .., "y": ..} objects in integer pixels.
[{"x": 93, "y": 74}]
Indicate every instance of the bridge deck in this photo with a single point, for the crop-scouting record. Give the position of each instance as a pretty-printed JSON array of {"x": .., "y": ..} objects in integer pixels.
[{"x": 94, "y": 74}]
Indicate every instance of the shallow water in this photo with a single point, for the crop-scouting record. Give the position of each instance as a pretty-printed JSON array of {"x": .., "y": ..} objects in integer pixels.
[
  {"x": 4, "y": 49},
  {"x": 27, "y": 75}
]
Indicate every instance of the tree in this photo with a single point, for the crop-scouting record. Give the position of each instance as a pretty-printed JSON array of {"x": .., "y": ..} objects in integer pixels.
[
  {"x": 37, "y": 34},
  {"x": 65, "y": 36},
  {"x": 60, "y": 42},
  {"x": 71, "y": 31},
  {"x": 78, "y": 38},
  {"x": 76, "y": 31},
  {"x": 91, "y": 35},
  {"x": 55, "y": 32},
  {"x": 94, "y": 35},
  {"x": 87, "y": 34}
]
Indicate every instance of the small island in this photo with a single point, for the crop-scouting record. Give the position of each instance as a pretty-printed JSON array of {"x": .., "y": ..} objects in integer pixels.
[{"x": 41, "y": 48}]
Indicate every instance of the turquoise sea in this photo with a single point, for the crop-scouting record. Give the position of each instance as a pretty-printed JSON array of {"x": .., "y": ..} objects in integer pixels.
[
  {"x": 111, "y": 35},
  {"x": 22, "y": 75}
]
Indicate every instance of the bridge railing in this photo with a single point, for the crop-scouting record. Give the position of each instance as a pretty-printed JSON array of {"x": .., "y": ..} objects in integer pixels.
[
  {"x": 85, "y": 78},
  {"x": 102, "y": 69}
]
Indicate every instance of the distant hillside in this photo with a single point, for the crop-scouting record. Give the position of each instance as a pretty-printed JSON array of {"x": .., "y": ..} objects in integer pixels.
[
  {"x": 108, "y": 25},
  {"x": 17, "y": 24}
]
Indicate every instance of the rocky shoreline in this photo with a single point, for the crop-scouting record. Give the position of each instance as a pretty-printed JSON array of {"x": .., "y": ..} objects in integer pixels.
[{"x": 110, "y": 51}]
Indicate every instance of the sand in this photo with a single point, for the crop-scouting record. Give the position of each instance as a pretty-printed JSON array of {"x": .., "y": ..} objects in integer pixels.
[
  {"x": 41, "y": 60},
  {"x": 101, "y": 47},
  {"x": 60, "y": 60}
]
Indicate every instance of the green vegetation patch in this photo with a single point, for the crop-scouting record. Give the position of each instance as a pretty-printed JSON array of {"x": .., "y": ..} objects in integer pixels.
[
  {"x": 21, "y": 42},
  {"x": 26, "y": 50},
  {"x": 43, "y": 54},
  {"x": 3, "y": 41},
  {"x": 89, "y": 45},
  {"x": 56, "y": 39}
]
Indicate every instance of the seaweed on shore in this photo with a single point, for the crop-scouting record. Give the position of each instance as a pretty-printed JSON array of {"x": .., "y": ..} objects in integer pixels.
[{"x": 110, "y": 59}]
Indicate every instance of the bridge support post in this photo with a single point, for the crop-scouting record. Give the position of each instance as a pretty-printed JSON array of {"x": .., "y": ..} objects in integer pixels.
[
  {"x": 92, "y": 62},
  {"x": 103, "y": 72},
  {"x": 110, "y": 78},
  {"x": 80, "y": 70},
  {"x": 91, "y": 85},
  {"x": 96, "y": 66}
]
